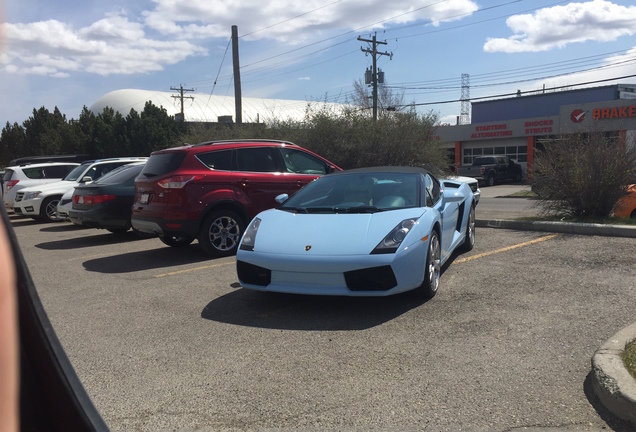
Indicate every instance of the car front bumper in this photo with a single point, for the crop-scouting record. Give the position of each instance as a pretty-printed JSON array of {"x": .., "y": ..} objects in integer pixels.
[{"x": 357, "y": 275}]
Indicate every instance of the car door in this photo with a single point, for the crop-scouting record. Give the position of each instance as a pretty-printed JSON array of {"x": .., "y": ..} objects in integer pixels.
[
  {"x": 301, "y": 167},
  {"x": 448, "y": 209},
  {"x": 502, "y": 167},
  {"x": 259, "y": 179}
]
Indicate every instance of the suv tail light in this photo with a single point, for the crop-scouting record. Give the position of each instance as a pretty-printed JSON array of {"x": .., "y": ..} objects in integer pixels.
[
  {"x": 12, "y": 183},
  {"x": 178, "y": 182}
]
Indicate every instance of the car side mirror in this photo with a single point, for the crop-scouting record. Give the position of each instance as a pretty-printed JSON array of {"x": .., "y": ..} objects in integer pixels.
[
  {"x": 86, "y": 179},
  {"x": 281, "y": 198}
]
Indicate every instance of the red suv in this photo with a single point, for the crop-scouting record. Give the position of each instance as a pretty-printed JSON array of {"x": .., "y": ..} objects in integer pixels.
[{"x": 210, "y": 191}]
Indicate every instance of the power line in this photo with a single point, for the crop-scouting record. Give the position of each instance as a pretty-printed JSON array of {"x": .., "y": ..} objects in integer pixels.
[{"x": 524, "y": 92}]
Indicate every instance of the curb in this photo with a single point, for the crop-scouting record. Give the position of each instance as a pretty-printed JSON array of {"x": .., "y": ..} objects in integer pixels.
[
  {"x": 611, "y": 381},
  {"x": 560, "y": 227}
]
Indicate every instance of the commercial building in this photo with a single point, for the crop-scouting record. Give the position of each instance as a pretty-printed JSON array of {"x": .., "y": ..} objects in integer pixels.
[{"x": 516, "y": 126}]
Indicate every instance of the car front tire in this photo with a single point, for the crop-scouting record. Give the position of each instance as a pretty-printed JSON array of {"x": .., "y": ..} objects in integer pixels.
[
  {"x": 221, "y": 233},
  {"x": 432, "y": 273},
  {"x": 469, "y": 239},
  {"x": 48, "y": 211}
]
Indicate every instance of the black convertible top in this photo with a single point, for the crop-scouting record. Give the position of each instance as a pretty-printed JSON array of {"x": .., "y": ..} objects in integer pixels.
[{"x": 385, "y": 169}]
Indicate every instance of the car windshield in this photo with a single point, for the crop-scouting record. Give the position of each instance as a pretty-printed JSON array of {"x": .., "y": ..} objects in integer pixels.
[
  {"x": 356, "y": 193},
  {"x": 76, "y": 173},
  {"x": 120, "y": 174}
]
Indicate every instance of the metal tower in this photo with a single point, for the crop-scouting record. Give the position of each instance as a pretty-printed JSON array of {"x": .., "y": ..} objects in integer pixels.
[{"x": 465, "y": 99}]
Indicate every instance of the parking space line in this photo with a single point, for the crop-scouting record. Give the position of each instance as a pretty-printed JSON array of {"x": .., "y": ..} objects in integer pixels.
[
  {"x": 176, "y": 272},
  {"x": 528, "y": 243}
]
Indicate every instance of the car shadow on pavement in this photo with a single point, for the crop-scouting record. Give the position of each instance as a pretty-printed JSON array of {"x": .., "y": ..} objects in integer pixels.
[
  {"x": 103, "y": 238},
  {"x": 66, "y": 227},
  {"x": 614, "y": 423},
  {"x": 163, "y": 257},
  {"x": 306, "y": 312}
]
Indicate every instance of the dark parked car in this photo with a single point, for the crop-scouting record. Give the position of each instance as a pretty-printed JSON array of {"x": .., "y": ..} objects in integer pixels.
[
  {"x": 210, "y": 191},
  {"x": 491, "y": 169},
  {"x": 106, "y": 203}
]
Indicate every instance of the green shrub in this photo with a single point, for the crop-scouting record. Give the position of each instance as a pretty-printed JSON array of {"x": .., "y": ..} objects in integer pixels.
[
  {"x": 350, "y": 139},
  {"x": 583, "y": 175}
]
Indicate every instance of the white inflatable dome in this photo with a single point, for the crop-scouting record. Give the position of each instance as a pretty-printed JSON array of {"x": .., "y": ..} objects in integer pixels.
[{"x": 199, "y": 107}]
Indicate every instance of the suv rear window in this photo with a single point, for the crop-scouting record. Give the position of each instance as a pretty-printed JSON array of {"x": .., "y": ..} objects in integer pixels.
[
  {"x": 257, "y": 159},
  {"x": 57, "y": 171},
  {"x": 7, "y": 175},
  {"x": 162, "y": 163}
]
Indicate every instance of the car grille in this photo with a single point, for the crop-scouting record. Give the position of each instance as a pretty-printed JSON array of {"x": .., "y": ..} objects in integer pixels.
[{"x": 371, "y": 279}]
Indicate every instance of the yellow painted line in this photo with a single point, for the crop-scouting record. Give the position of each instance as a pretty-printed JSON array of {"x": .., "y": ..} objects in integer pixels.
[
  {"x": 528, "y": 243},
  {"x": 193, "y": 269}
]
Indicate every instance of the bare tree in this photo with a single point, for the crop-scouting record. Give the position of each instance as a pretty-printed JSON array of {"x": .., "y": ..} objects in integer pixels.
[{"x": 388, "y": 101}]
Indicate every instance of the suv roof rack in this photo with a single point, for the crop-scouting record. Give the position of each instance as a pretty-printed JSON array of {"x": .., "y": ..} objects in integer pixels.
[{"x": 242, "y": 141}]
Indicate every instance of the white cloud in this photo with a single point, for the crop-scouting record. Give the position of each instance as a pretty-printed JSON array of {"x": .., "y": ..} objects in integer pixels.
[
  {"x": 113, "y": 45},
  {"x": 555, "y": 27},
  {"x": 291, "y": 21},
  {"x": 167, "y": 33}
]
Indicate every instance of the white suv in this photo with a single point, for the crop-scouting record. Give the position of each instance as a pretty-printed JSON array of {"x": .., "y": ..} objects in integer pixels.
[
  {"x": 40, "y": 202},
  {"x": 19, "y": 177}
]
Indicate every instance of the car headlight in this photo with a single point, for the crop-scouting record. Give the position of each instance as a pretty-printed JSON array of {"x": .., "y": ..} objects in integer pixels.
[
  {"x": 250, "y": 235},
  {"x": 31, "y": 195},
  {"x": 395, "y": 237}
]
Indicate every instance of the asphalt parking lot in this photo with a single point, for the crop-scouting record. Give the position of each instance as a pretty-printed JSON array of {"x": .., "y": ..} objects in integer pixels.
[{"x": 166, "y": 339}]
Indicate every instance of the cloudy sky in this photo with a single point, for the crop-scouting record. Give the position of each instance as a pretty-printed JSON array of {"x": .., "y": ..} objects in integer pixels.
[{"x": 69, "y": 53}]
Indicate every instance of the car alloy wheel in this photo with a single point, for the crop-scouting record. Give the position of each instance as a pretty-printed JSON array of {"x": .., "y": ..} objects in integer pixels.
[
  {"x": 469, "y": 240},
  {"x": 429, "y": 286},
  {"x": 49, "y": 210},
  {"x": 221, "y": 233}
]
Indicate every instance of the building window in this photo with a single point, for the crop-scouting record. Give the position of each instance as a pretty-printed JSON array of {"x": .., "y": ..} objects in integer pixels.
[{"x": 518, "y": 153}]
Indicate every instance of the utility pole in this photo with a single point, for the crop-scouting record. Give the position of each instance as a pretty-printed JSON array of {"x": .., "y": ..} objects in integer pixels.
[
  {"x": 374, "y": 52},
  {"x": 238, "y": 106},
  {"x": 180, "y": 89}
]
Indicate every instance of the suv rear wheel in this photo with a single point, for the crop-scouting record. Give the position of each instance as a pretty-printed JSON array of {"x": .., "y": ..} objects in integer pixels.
[{"x": 221, "y": 233}]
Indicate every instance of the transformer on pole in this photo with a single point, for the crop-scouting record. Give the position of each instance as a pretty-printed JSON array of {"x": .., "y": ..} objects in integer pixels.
[{"x": 374, "y": 72}]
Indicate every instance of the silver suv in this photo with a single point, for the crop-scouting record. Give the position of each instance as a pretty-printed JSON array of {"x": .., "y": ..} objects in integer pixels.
[{"x": 19, "y": 177}]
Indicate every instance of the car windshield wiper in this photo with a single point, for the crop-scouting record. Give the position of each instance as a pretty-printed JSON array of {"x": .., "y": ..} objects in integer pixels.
[
  {"x": 149, "y": 175},
  {"x": 358, "y": 209},
  {"x": 293, "y": 209}
]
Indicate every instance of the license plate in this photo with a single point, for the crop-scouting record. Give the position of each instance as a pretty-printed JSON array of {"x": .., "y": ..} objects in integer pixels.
[{"x": 144, "y": 198}]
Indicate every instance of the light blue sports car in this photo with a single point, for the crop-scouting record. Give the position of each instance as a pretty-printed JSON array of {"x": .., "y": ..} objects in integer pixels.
[{"x": 364, "y": 232}]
